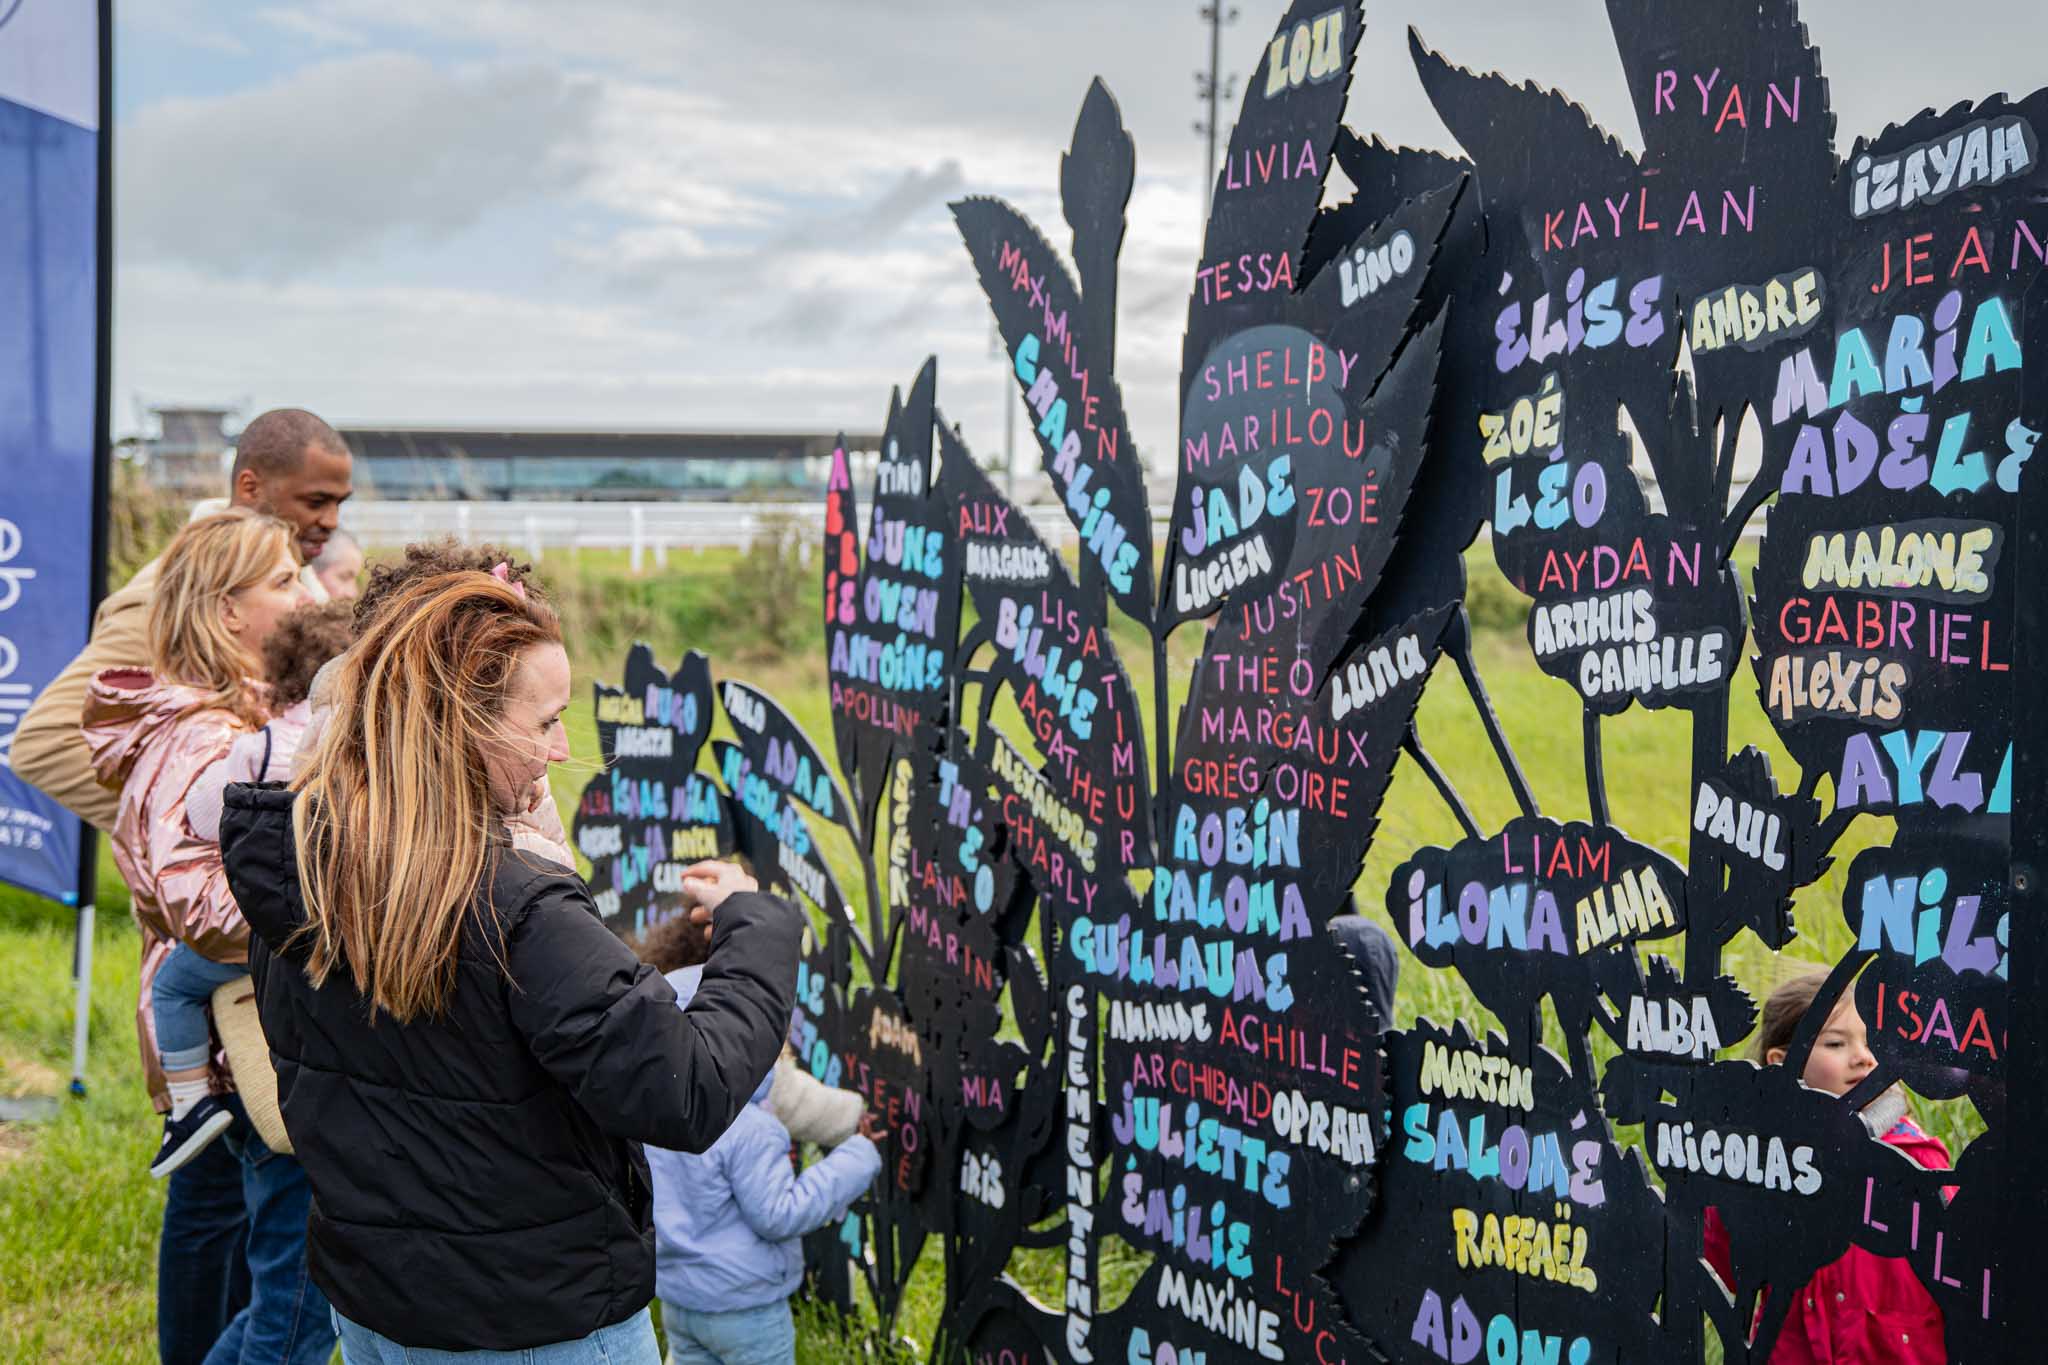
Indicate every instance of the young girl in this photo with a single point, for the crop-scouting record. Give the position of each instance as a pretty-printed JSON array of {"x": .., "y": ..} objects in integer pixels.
[
  {"x": 227, "y": 581},
  {"x": 1863, "y": 1309},
  {"x": 729, "y": 1222},
  {"x": 185, "y": 983}
]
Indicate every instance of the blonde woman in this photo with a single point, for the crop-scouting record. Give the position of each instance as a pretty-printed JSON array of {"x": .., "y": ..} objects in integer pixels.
[
  {"x": 467, "y": 1059},
  {"x": 223, "y": 586}
]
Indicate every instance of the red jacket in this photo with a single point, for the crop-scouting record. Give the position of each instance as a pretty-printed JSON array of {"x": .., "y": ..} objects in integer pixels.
[{"x": 1863, "y": 1309}]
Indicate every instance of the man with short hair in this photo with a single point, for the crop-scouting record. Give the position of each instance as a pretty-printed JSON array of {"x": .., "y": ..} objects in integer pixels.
[
  {"x": 293, "y": 465},
  {"x": 288, "y": 463}
]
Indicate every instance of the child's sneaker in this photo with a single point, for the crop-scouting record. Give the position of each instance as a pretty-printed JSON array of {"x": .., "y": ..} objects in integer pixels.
[{"x": 185, "y": 1138}]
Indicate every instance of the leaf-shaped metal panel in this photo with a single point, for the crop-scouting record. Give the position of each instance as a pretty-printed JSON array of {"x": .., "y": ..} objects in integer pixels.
[
  {"x": 1098, "y": 1003},
  {"x": 890, "y": 635},
  {"x": 650, "y": 813},
  {"x": 1073, "y": 402}
]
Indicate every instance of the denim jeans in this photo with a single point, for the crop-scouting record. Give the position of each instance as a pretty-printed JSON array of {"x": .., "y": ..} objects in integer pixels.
[
  {"x": 202, "y": 1269},
  {"x": 624, "y": 1343},
  {"x": 287, "y": 1321},
  {"x": 178, "y": 996},
  {"x": 745, "y": 1336}
]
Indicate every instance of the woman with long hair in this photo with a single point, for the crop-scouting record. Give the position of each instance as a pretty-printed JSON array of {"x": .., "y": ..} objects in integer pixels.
[
  {"x": 223, "y": 586},
  {"x": 467, "y": 1058}
]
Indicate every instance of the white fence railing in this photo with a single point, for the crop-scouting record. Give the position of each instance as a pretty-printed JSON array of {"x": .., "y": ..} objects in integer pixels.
[{"x": 643, "y": 529}]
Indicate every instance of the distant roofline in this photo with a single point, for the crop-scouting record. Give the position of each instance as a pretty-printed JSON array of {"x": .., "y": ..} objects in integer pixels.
[
  {"x": 451, "y": 429},
  {"x": 855, "y": 438}
]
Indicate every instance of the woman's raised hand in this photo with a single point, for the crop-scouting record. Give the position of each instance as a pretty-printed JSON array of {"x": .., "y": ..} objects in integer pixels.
[{"x": 709, "y": 883}]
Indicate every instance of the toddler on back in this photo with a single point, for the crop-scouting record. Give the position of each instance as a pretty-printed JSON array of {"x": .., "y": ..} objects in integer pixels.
[
  {"x": 295, "y": 652},
  {"x": 292, "y": 653}
]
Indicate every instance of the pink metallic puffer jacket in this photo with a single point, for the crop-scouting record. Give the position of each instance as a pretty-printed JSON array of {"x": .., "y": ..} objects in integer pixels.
[{"x": 150, "y": 744}]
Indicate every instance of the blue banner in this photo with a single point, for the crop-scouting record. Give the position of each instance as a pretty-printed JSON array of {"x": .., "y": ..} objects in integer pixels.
[{"x": 50, "y": 394}]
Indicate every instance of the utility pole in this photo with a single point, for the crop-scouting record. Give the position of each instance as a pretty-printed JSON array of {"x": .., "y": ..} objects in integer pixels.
[{"x": 1212, "y": 86}]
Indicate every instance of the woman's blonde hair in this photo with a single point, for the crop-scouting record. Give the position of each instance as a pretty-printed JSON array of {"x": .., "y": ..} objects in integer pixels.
[
  {"x": 395, "y": 827},
  {"x": 207, "y": 562}
]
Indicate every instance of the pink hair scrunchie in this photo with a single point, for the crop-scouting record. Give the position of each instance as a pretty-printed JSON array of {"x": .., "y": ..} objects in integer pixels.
[{"x": 502, "y": 571}]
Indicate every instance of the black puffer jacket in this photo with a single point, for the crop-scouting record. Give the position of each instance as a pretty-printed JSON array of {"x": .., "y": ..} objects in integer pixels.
[{"x": 477, "y": 1179}]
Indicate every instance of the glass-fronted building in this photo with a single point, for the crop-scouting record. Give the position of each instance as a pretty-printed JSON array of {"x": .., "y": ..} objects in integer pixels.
[{"x": 426, "y": 463}]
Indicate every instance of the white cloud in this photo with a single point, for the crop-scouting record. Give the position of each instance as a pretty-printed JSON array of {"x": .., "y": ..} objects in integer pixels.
[
  {"x": 406, "y": 354},
  {"x": 340, "y": 157},
  {"x": 193, "y": 23},
  {"x": 743, "y": 205},
  {"x": 304, "y": 24},
  {"x": 755, "y": 205}
]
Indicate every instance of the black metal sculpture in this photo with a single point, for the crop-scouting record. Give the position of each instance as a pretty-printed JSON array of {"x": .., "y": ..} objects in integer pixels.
[
  {"x": 1090, "y": 982},
  {"x": 650, "y": 814}
]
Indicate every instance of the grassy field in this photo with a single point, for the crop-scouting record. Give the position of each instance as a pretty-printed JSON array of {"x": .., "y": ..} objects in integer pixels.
[{"x": 78, "y": 1214}]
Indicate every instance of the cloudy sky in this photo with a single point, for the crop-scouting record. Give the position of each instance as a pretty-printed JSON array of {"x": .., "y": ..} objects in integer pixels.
[{"x": 681, "y": 213}]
